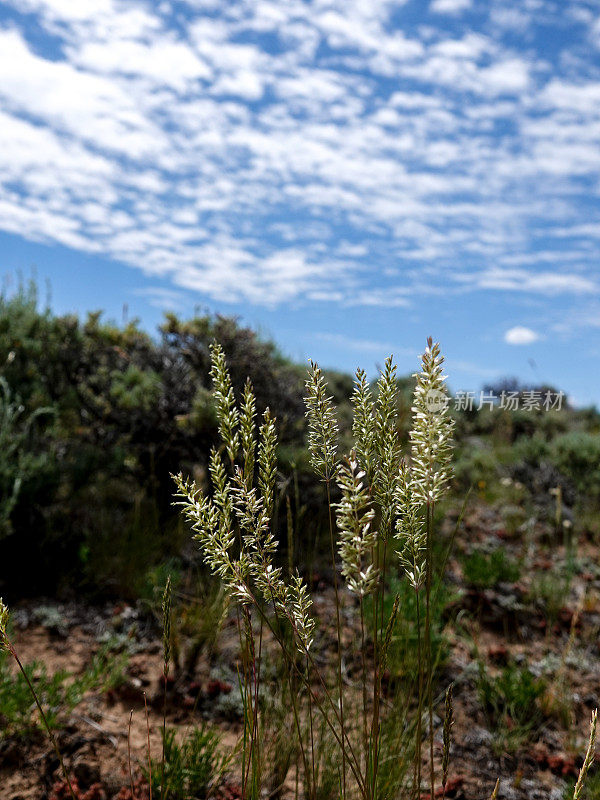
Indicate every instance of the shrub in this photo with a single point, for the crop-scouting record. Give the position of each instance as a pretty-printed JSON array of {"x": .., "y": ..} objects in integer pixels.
[
  {"x": 23, "y": 465},
  {"x": 474, "y": 465},
  {"x": 577, "y": 455},
  {"x": 92, "y": 496}
]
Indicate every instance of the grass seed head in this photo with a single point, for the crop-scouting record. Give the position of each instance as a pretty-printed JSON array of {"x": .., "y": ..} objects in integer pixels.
[
  {"x": 322, "y": 424},
  {"x": 431, "y": 434},
  {"x": 3, "y": 625}
]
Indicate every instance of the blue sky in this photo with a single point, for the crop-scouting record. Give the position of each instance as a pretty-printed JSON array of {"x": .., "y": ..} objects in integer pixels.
[{"x": 348, "y": 176}]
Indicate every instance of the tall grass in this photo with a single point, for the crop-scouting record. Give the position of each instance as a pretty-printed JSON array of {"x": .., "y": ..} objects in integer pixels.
[{"x": 380, "y": 525}]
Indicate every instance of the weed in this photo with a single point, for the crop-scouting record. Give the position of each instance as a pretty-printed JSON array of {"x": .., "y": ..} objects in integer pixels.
[
  {"x": 511, "y": 701},
  {"x": 551, "y": 591},
  {"x": 16, "y": 705},
  {"x": 382, "y": 497},
  {"x": 193, "y": 768},
  {"x": 484, "y": 570},
  {"x": 58, "y": 693}
]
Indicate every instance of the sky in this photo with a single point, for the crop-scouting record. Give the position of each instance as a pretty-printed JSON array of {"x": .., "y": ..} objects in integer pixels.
[{"x": 346, "y": 176}]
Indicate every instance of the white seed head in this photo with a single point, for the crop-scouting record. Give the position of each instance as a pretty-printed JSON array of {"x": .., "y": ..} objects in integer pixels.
[
  {"x": 431, "y": 434},
  {"x": 322, "y": 424},
  {"x": 354, "y": 516}
]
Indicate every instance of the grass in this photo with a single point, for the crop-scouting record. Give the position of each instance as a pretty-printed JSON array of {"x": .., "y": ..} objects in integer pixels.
[
  {"x": 485, "y": 571},
  {"x": 59, "y": 693},
  {"x": 384, "y": 505},
  {"x": 591, "y": 790},
  {"x": 551, "y": 591},
  {"x": 511, "y": 701},
  {"x": 335, "y": 713},
  {"x": 402, "y": 661},
  {"x": 193, "y": 767}
]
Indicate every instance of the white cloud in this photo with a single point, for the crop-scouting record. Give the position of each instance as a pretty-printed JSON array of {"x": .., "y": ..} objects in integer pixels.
[
  {"x": 522, "y": 280},
  {"x": 511, "y": 75},
  {"x": 166, "y": 61},
  {"x": 450, "y": 6},
  {"x": 520, "y": 336},
  {"x": 235, "y": 152},
  {"x": 73, "y": 101}
]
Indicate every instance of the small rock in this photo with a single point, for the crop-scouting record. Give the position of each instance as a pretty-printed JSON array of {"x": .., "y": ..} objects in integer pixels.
[{"x": 478, "y": 736}]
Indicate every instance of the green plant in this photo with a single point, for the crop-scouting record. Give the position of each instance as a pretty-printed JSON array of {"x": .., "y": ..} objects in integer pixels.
[
  {"x": 16, "y": 701},
  {"x": 19, "y": 461},
  {"x": 191, "y": 769},
  {"x": 511, "y": 701},
  {"x": 6, "y": 646},
  {"x": 474, "y": 465},
  {"x": 380, "y": 496},
  {"x": 107, "y": 669},
  {"x": 550, "y": 590},
  {"x": 197, "y": 625},
  {"x": 58, "y": 693},
  {"x": 401, "y": 653},
  {"x": 577, "y": 455},
  {"x": 591, "y": 789},
  {"x": 485, "y": 570}
]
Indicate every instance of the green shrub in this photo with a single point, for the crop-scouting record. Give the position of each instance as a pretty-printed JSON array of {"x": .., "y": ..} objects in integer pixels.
[
  {"x": 23, "y": 463},
  {"x": 577, "y": 455},
  {"x": 474, "y": 465},
  {"x": 532, "y": 450}
]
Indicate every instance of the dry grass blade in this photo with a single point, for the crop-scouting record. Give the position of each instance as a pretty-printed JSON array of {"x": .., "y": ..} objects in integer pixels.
[
  {"x": 589, "y": 757},
  {"x": 129, "y": 753},
  {"x": 448, "y": 722}
]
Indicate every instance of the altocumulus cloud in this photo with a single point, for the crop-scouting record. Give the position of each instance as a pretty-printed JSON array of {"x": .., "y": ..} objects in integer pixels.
[{"x": 269, "y": 152}]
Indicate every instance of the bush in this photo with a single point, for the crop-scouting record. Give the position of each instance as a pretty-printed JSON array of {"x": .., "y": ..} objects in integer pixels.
[
  {"x": 24, "y": 466},
  {"x": 577, "y": 455},
  {"x": 92, "y": 496},
  {"x": 474, "y": 465}
]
